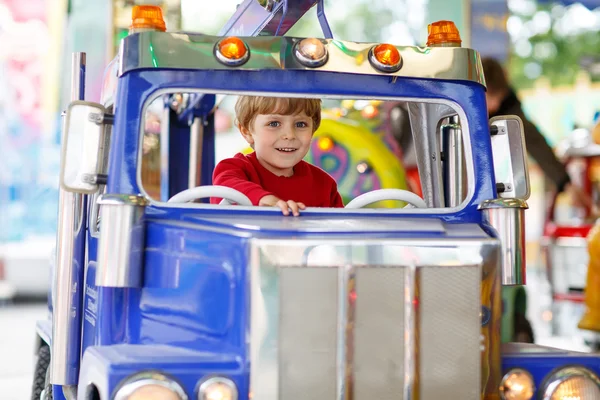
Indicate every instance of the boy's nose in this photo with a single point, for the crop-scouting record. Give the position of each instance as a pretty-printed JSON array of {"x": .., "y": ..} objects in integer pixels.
[{"x": 288, "y": 133}]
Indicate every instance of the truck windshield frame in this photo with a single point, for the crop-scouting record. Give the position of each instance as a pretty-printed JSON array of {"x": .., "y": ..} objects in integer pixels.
[
  {"x": 137, "y": 89},
  {"x": 434, "y": 210}
]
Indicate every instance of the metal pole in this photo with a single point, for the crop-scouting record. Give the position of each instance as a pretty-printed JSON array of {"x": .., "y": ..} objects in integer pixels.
[
  {"x": 196, "y": 141},
  {"x": 67, "y": 290},
  {"x": 455, "y": 159}
]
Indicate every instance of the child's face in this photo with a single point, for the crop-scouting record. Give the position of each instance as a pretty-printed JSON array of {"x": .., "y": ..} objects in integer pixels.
[{"x": 280, "y": 141}]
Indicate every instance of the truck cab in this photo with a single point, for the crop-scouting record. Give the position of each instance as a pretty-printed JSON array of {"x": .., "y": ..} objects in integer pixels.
[{"x": 158, "y": 294}]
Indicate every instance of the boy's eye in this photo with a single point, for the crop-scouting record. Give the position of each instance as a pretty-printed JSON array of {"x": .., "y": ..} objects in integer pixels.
[
  {"x": 301, "y": 124},
  {"x": 274, "y": 124}
]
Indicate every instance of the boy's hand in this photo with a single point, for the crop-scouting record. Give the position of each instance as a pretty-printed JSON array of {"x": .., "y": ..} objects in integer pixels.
[{"x": 274, "y": 201}]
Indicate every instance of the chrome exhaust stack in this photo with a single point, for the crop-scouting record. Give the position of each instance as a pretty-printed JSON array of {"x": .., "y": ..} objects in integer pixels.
[
  {"x": 121, "y": 244},
  {"x": 507, "y": 217},
  {"x": 506, "y": 214},
  {"x": 67, "y": 288}
]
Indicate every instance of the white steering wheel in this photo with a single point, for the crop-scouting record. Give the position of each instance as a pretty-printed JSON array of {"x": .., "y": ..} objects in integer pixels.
[
  {"x": 226, "y": 193},
  {"x": 387, "y": 194}
]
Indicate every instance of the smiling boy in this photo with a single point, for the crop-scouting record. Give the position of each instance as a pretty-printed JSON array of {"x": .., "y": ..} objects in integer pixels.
[{"x": 280, "y": 131}]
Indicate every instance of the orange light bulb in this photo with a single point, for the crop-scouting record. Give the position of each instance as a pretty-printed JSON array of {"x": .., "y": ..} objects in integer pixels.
[
  {"x": 232, "y": 48},
  {"x": 387, "y": 54}
]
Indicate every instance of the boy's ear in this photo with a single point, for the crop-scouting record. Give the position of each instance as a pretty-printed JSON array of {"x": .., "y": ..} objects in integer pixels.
[{"x": 246, "y": 134}]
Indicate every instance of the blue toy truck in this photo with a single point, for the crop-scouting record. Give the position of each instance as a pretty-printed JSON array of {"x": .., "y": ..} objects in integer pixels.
[{"x": 159, "y": 295}]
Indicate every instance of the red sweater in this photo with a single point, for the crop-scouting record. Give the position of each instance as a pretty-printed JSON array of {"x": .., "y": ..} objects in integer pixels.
[{"x": 309, "y": 184}]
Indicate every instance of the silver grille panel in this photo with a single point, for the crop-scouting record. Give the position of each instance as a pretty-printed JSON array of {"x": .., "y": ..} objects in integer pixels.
[
  {"x": 378, "y": 361},
  {"x": 345, "y": 329},
  {"x": 449, "y": 326},
  {"x": 307, "y": 333}
]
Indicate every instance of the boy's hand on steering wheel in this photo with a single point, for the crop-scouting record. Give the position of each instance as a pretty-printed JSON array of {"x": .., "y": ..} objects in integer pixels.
[{"x": 285, "y": 206}]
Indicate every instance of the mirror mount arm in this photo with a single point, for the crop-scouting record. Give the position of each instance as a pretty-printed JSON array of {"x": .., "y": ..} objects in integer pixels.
[
  {"x": 496, "y": 130},
  {"x": 101, "y": 179},
  {"x": 102, "y": 118}
]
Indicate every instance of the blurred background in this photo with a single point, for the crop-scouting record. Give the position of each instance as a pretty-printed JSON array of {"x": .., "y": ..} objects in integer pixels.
[{"x": 551, "y": 50}]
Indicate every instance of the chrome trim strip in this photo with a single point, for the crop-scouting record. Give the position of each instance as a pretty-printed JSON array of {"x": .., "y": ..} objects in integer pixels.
[
  {"x": 189, "y": 51},
  {"x": 66, "y": 293},
  {"x": 113, "y": 199},
  {"x": 410, "y": 332},
  {"x": 345, "y": 312}
]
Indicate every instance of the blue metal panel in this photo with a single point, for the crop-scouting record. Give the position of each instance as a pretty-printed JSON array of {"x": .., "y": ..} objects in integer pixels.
[
  {"x": 90, "y": 299},
  {"x": 136, "y": 86},
  {"x": 195, "y": 289},
  {"x": 57, "y": 393},
  {"x": 540, "y": 361},
  {"x": 194, "y": 293},
  {"x": 200, "y": 105},
  {"x": 185, "y": 366},
  {"x": 116, "y": 325}
]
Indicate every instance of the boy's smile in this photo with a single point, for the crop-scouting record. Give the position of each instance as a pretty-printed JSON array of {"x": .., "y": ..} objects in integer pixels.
[{"x": 280, "y": 141}]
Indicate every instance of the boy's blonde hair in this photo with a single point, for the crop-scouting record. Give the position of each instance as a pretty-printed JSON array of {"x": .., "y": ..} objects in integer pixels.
[{"x": 248, "y": 107}]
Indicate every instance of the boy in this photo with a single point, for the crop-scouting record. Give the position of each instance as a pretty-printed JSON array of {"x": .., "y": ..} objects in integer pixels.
[{"x": 280, "y": 131}]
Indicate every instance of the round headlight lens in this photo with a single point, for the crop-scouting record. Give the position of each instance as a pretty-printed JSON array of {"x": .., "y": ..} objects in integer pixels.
[
  {"x": 150, "y": 386},
  {"x": 572, "y": 383},
  {"x": 517, "y": 384},
  {"x": 576, "y": 388},
  {"x": 153, "y": 392},
  {"x": 311, "y": 52},
  {"x": 217, "y": 388}
]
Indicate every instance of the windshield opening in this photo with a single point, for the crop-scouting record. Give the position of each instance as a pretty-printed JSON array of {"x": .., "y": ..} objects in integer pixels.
[{"x": 364, "y": 145}]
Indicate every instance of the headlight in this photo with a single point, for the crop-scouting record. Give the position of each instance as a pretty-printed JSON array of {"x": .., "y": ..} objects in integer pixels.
[
  {"x": 517, "y": 384},
  {"x": 572, "y": 383},
  {"x": 150, "y": 386},
  {"x": 217, "y": 388}
]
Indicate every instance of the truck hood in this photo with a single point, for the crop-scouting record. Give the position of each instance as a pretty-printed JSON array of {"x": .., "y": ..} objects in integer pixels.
[{"x": 324, "y": 225}]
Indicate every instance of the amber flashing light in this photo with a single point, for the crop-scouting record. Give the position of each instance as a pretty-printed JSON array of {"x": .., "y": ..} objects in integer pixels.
[
  {"x": 386, "y": 57},
  {"x": 232, "y": 51},
  {"x": 443, "y": 34},
  {"x": 147, "y": 17}
]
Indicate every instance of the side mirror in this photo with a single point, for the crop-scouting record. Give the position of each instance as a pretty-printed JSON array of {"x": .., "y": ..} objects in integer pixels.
[
  {"x": 510, "y": 157},
  {"x": 82, "y": 146}
]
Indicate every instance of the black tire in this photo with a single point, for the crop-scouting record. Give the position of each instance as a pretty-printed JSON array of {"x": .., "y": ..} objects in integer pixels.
[
  {"x": 41, "y": 369},
  {"x": 48, "y": 394},
  {"x": 523, "y": 331}
]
